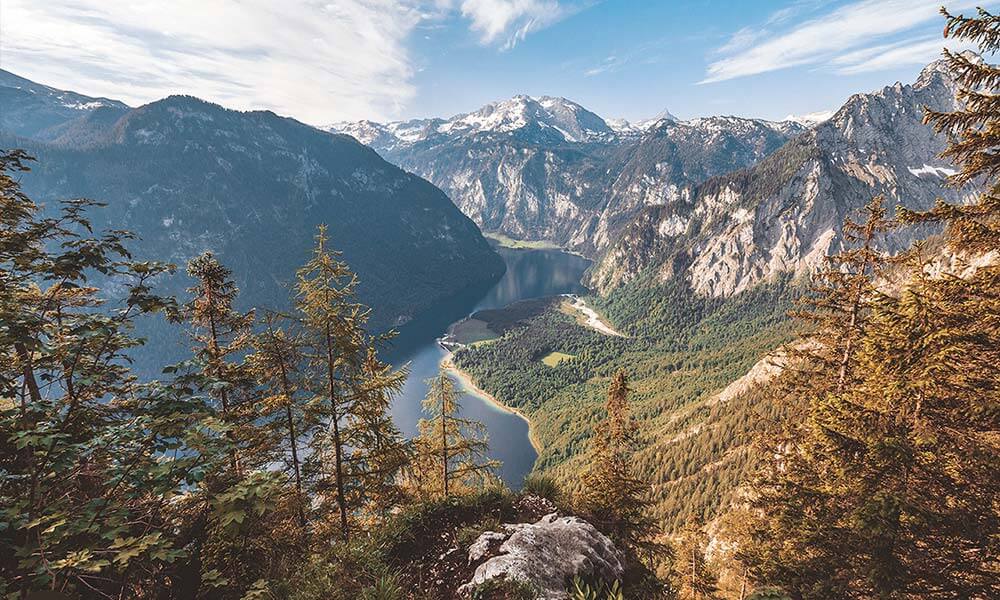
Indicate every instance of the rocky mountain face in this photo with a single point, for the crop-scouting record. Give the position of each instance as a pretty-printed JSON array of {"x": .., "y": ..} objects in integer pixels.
[
  {"x": 784, "y": 214},
  {"x": 549, "y": 169},
  {"x": 189, "y": 176}
]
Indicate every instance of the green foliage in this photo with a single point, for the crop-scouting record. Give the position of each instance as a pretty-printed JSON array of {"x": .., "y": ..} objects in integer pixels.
[
  {"x": 89, "y": 457},
  {"x": 880, "y": 485},
  {"x": 681, "y": 350},
  {"x": 582, "y": 590},
  {"x": 545, "y": 486},
  {"x": 504, "y": 589}
]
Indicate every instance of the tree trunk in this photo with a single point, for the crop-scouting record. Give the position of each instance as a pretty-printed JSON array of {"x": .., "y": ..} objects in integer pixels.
[
  {"x": 444, "y": 441},
  {"x": 216, "y": 367},
  {"x": 336, "y": 435}
]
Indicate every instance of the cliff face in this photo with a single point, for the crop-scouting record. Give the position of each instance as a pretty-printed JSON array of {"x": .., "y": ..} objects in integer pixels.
[{"x": 786, "y": 213}]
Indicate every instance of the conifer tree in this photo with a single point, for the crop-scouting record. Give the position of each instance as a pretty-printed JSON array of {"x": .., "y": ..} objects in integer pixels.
[
  {"x": 380, "y": 454},
  {"x": 690, "y": 577},
  {"x": 276, "y": 362},
  {"x": 612, "y": 495},
  {"x": 332, "y": 321},
  {"x": 219, "y": 332},
  {"x": 451, "y": 450},
  {"x": 886, "y": 488}
]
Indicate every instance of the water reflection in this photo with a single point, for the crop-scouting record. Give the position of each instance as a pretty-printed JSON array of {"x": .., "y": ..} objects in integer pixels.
[{"x": 530, "y": 274}]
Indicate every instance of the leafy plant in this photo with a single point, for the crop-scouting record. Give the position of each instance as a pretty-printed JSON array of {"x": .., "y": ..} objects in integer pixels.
[{"x": 582, "y": 590}]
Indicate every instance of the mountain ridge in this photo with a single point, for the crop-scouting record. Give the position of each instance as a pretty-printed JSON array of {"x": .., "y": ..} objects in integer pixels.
[
  {"x": 548, "y": 169},
  {"x": 187, "y": 175}
]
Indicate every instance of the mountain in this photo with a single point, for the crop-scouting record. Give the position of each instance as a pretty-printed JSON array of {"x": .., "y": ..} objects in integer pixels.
[
  {"x": 548, "y": 169},
  {"x": 188, "y": 176},
  {"x": 784, "y": 214},
  {"x": 40, "y": 112}
]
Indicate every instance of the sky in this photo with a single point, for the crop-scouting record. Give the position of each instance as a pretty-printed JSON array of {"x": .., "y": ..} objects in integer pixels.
[{"x": 324, "y": 61}]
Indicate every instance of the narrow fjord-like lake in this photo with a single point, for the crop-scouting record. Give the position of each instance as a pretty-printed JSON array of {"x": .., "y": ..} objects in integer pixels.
[{"x": 530, "y": 274}]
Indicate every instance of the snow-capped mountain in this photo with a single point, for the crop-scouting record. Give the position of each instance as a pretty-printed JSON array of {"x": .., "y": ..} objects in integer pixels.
[
  {"x": 811, "y": 119},
  {"x": 784, "y": 214},
  {"x": 39, "y": 111},
  {"x": 548, "y": 168}
]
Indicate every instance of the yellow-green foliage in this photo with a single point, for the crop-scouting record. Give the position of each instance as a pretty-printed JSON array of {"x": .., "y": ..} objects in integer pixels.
[
  {"x": 553, "y": 359},
  {"x": 509, "y": 242},
  {"x": 680, "y": 352}
]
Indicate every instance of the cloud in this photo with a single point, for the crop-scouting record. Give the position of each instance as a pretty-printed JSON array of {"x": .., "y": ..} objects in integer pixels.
[
  {"x": 900, "y": 54},
  {"x": 508, "y": 22},
  {"x": 608, "y": 65},
  {"x": 317, "y": 61},
  {"x": 823, "y": 39}
]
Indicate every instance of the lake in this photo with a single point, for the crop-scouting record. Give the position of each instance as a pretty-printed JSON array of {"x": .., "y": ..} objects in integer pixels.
[{"x": 530, "y": 274}]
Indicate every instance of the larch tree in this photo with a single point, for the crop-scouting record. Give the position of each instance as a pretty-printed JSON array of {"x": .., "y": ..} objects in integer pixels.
[
  {"x": 380, "y": 454},
  {"x": 333, "y": 322},
  {"x": 690, "y": 577},
  {"x": 276, "y": 363},
  {"x": 452, "y": 451},
  {"x": 612, "y": 494}
]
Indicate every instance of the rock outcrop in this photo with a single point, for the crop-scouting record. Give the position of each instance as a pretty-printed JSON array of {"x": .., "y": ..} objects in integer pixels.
[{"x": 545, "y": 554}]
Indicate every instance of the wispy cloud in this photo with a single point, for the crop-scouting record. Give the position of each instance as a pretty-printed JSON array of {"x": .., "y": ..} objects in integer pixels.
[
  {"x": 608, "y": 65},
  {"x": 918, "y": 51},
  {"x": 856, "y": 27},
  {"x": 508, "y": 22},
  {"x": 317, "y": 61}
]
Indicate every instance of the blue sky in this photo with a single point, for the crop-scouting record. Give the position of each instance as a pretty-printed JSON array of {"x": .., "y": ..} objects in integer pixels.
[{"x": 328, "y": 60}]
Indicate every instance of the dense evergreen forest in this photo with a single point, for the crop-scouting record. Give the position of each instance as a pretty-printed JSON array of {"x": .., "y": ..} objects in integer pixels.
[{"x": 266, "y": 465}]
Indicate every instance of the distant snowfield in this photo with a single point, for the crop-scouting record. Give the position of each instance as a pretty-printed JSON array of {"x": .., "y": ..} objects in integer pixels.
[{"x": 941, "y": 172}]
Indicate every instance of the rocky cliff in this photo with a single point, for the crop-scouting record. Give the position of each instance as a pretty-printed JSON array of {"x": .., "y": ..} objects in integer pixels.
[
  {"x": 785, "y": 213},
  {"x": 549, "y": 169}
]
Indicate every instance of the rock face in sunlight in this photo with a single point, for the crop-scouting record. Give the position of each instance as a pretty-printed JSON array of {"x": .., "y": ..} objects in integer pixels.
[
  {"x": 785, "y": 214},
  {"x": 549, "y": 169},
  {"x": 545, "y": 555},
  {"x": 188, "y": 176}
]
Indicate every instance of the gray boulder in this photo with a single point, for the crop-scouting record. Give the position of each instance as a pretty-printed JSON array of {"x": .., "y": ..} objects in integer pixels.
[{"x": 545, "y": 555}]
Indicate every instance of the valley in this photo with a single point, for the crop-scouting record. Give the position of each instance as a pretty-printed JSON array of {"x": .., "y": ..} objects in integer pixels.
[{"x": 409, "y": 349}]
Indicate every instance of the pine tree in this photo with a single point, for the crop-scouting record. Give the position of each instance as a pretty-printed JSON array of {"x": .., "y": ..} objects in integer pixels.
[
  {"x": 690, "y": 577},
  {"x": 612, "y": 495},
  {"x": 219, "y": 332},
  {"x": 451, "y": 450}
]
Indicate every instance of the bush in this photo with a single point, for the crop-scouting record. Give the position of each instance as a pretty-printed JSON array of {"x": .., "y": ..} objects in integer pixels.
[{"x": 544, "y": 486}]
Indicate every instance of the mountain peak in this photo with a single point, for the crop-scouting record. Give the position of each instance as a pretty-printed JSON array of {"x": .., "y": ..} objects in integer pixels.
[
  {"x": 940, "y": 69},
  {"x": 563, "y": 117}
]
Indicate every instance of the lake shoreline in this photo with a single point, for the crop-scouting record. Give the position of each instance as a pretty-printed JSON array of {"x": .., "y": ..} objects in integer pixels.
[{"x": 448, "y": 365}]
